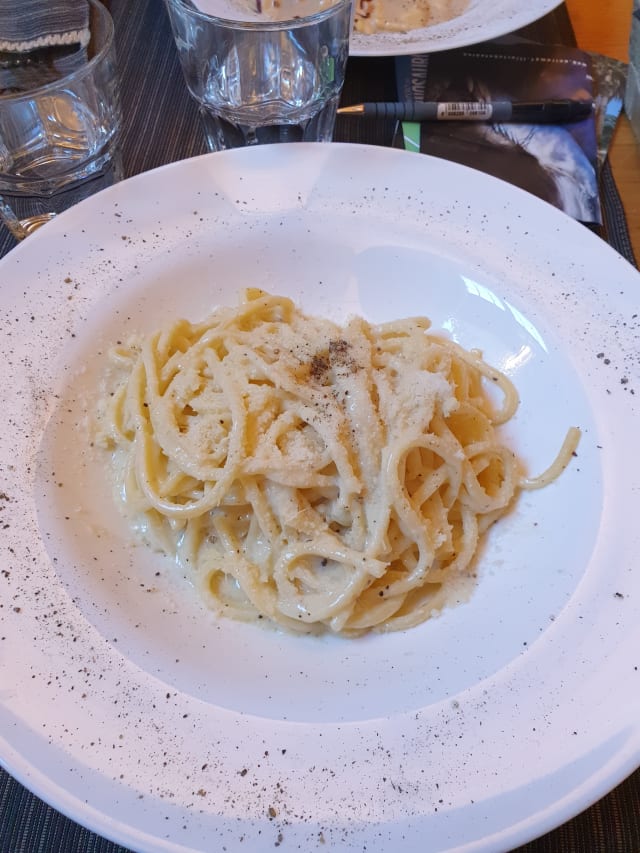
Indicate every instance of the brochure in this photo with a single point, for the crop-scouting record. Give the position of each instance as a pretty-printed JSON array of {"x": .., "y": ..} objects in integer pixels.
[{"x": 557, "y": 162}]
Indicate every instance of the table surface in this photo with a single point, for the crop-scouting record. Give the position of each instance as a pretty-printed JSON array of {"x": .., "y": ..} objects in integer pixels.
[
  {"x": 613, "y": 824},
  {"x": 603, "y": 27}
]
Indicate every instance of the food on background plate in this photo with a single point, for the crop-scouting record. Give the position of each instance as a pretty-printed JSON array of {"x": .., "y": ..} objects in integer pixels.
[
  {"x": 324, "y": 477},
  {"x": 370, "y": 16},
  {"x": 400, "y": 16}
]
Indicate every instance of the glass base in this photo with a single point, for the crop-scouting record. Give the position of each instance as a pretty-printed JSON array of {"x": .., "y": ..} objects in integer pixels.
[{"x": 24, "y": 213}]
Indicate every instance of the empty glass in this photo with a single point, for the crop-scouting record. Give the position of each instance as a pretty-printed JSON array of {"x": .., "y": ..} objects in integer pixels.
[
  {"x": 59, "y": 125},
  {"x": 263, "y": 74}
]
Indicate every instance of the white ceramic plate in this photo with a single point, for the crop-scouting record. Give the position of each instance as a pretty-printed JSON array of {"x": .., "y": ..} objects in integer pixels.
[
  {"x": 482, "y": 20},
  {"x": 127, "y": 707}
]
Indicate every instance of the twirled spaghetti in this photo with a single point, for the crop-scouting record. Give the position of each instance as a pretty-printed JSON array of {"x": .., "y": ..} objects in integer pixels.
[{"x": 323, "y": 477}]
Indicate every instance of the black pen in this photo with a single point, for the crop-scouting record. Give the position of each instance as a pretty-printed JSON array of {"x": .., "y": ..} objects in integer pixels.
[{"x": 529, "y": 112}]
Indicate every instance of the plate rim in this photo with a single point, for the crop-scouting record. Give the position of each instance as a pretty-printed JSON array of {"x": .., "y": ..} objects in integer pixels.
[{"x": 426, "y": 39}]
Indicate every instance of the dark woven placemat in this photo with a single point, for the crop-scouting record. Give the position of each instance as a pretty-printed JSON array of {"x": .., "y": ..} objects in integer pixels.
[
  {"x": 614, "y": 220},
  {"x": 161, "y": 125}
]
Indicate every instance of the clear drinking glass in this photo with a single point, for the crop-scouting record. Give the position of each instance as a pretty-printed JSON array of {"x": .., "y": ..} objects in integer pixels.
[
  {"x": 59, "y": 126},
  {"x": 263, "y": 75}
]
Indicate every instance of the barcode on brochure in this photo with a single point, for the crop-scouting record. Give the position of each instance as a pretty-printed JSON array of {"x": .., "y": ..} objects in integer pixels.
[{"x": 465, "y": 110}]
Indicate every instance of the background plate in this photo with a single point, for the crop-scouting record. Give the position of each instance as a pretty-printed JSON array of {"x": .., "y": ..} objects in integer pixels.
[
  {"x": 483, "y": 20},
  {"x": 127, "y": 707}
]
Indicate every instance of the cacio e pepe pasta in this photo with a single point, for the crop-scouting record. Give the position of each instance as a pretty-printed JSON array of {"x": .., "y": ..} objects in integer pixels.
[{"x": 325, "y": 477}]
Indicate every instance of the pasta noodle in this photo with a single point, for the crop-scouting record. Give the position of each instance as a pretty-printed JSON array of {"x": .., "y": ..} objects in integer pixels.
[{"x": 322, "y": 477}]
